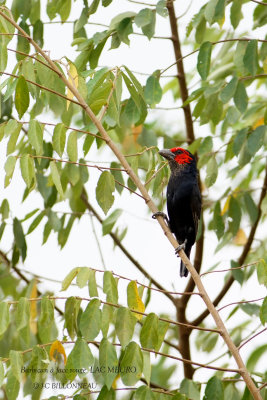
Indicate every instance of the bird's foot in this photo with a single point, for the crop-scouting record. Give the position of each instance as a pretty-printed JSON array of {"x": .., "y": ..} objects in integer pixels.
[
  {"x": 180, "y": 247},
  {"x": 161, "y": 214}
]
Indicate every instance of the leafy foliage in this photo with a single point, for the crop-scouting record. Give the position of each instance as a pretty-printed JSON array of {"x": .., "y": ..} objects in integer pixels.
[{"x": 114, "y": 335}]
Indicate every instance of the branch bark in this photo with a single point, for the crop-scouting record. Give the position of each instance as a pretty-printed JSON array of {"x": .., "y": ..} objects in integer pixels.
[
  {"x": 231, "y": 346},
  {"x": 181, "y": 304},
  {"x": 242, "y": 257}
]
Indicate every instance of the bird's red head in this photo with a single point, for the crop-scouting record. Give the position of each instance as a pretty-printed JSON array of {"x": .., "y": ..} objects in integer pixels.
[{"x": 182, "y": 156}]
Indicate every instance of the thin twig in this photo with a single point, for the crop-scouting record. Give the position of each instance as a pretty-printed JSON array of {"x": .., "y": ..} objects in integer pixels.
[
  {"x": 4, "y": 360},
  {"x": 230, "y": 269},
  {"x": 241, "y": 302},
  {"x": 252, "y": 337}
]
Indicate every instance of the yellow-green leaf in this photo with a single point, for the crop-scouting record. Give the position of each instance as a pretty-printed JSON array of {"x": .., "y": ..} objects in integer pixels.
[
  {"x": 56, "y": 178},
  {"x": 134, "y": 300},
  {"x": 72, "y": 148},
  {"x": 104, "y": 189},
  {"x": 35, "y": 135},
  {"x": 22, "y": 97}
]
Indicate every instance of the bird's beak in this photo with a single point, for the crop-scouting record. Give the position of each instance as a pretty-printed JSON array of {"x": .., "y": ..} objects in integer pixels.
[{"x": 166, "y": 153}]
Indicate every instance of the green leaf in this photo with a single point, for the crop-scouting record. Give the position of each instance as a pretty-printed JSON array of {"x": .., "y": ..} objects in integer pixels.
[
  {"x": 161, "y": 8},
  {"x": 110, "y": 221},
  {"x": 229, "y": 90},
  {"x": 46, "y": 317},
  {"x": 19, "y": 238},
  {"x": 190, "y": 389},
  {"x": 22, "y": 97},
  {"x": 38, "y": 364},
  {"x": 56, "y": 178},
  {"x": 108, "y": 362},
  {"x": 36, "y": 222},
  {"x": 12, "y": 129},
  {"x": 116, "y": 20},
  {"x": 218, "y": 222},
  {"x": 4, "y": 209},
  {"x": 212, "y": 172},
  {"x": 83, "y": 276},
  {"x": 22, "y": 313},
  {"x": 124, "y": 326},
  {"x": 110, "y": 287},
  {"x": 93, "y": 7},
  {"x": 92, "y": 287},
  {"x": 240, "y": 97},
  {"x": 72, "y": 306},
  {"x": 214, "y": 389},
  {"x": 149, "y": 29},
  {"x": 251, "y": 57},
  {"x": 239, "y": 56},
  {"x": 23, "y": 45},
  {"x": 256, "y": 139},
  {"x": 79, "y": 359},
  {"x": 236, "y": 13},
  {"x": 124, "y": 29},
  {"x": 206, "y": 145},
  {"x": 2, "y": 373},
  {"x": 235, "y": 213},
  {"x": 263, "y": 312},
  {"x": 69, "y": 278},
  {"x": 59, "y": 138},
  {"x": 90, "y": 321},
  {"x": 12, "y": 386},
  {"x": 203, "y": 61},
  {"x": 35, "y": 11},
  {"x": 104, "y": 189},
  {"x": 256, "y": 354},
  {"x": 143, "y": 17},
  {"x": 239, "y": 140},
  {"x": 72, "y": 148},
  {"x": 35, "y": 135},
  {"x": 145, "y": 393},
  {"x": 4, "y": 320},
  {"x": 27, "y": 171},
  {"x": 251, "y": 207},
  {"x": 64, "y": 10},
  {"x": 153, "y": 91},
  {"x": 16, "y": 362},
  {"x": 132, "y": 357},
  {"x": 262, "y": 272},
  {"x": 9, "y": 169},
  {"x": 161, "y": 331},
  {"x": 149, "y": 332}
]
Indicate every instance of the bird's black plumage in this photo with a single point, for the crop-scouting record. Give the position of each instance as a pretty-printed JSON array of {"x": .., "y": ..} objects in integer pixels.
[{"x": 183, "y": 198}]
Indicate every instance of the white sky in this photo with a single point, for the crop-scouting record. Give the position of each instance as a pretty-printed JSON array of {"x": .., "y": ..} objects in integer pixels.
[{"x": 145, "y": 239}]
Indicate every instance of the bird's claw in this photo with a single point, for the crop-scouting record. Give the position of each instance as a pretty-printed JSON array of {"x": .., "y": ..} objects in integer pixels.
[
  {"x": 160, "y": 214},
  {"x": 180, "y": 247}
]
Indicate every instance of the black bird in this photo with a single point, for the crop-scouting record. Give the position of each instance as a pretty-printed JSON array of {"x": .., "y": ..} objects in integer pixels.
[{"x": 183, "y": 199}]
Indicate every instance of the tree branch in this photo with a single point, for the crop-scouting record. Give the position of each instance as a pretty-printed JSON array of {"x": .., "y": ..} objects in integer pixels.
[
  {"x": 242, "y": 257},
  {"x": 231, "y": 346},
  {"x": 181, "y": 304}
]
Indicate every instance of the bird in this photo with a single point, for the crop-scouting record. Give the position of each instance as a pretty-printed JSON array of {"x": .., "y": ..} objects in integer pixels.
[{"x": 183, "y": 200}]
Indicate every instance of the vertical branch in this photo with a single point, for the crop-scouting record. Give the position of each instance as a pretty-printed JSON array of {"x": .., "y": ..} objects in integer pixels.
[
  {"x": 242, "y": 257},
  {"x": 181, "y": 304},
  {"x": 180, "y": 69}
]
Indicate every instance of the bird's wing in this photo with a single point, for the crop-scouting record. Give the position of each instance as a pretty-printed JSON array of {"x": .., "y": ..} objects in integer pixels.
[{"x": 196, "y": 206}]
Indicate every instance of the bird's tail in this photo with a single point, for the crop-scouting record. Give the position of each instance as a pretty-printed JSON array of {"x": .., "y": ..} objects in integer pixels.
[{"x": 183, "y": 269}]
